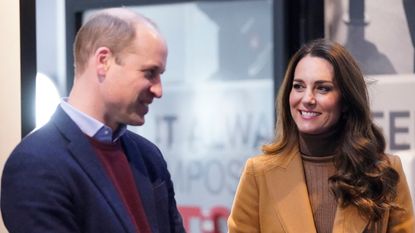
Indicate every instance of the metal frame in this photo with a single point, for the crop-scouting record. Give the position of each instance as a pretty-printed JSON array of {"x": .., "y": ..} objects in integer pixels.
[{"x": 27, "y": 65}]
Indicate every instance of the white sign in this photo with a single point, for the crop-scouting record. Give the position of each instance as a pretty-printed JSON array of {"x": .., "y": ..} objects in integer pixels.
[{"x": 393, "y": 107}]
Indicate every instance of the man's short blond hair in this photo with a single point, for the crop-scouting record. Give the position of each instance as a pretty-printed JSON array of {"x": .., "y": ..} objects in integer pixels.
[{"x": 113, "y": 28}]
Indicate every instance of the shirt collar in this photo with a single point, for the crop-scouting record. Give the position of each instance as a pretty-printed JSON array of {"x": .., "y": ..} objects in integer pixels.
[{"x": 90, "y": 126}]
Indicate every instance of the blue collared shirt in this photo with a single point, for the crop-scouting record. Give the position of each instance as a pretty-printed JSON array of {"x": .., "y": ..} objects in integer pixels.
[{"x": 90, "y": 126}]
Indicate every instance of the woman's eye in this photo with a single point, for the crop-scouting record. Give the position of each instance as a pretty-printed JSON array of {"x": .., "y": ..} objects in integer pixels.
[
  {"x": 297, "y": 86},
  {"x": 324, "y": 89}
]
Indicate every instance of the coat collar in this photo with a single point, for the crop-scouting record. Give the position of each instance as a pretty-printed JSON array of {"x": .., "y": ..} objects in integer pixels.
[
  {"x": 286, "y": 182},
  {"x": 80, "y": 149}
]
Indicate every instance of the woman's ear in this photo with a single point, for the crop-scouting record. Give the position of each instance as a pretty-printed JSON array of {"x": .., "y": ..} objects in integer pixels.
[{"x": 345, "y": 108}]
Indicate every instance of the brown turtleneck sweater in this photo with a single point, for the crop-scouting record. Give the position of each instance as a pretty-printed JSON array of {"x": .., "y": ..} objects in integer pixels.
[{"x": 317, "y": 152}]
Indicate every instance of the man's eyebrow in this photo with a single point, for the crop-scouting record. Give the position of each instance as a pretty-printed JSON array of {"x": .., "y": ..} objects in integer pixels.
[{"x": 154, "y": 67}]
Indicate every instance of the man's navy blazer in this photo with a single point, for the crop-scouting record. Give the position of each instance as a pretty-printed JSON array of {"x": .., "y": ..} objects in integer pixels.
[{"x": 54, "y": 182}]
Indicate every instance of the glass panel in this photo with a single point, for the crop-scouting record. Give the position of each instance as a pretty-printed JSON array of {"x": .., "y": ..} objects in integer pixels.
[{"x": 218, "y": 101}]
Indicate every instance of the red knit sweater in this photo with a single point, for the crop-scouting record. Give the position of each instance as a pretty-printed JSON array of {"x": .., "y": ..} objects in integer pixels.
[{"x": 115, "y": 162}]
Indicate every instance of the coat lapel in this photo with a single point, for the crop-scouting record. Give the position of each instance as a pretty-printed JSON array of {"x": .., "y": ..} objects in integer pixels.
[
  {"x": 287, "y": 186},
  {"x": 144, "y": 185},
  {"x": 81, "y": 150},
  {"x": 348, "y": 220}
]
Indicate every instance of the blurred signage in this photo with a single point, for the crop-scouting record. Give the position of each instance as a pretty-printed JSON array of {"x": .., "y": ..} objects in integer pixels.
[
  {"x": 206, "y": 131},
  {"x": 393, "y": 107}
]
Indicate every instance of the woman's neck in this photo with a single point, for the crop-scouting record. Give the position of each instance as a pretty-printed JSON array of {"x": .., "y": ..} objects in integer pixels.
[{"x": 320, "y": 145}]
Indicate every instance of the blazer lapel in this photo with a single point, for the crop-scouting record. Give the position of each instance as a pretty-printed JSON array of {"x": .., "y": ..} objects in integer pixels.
[
  {"x": 348, "y": 220},
  {"x": 144, "y": 185},
  {"x": 81, "y": 150},
  {"x": 287, "y": 186}
]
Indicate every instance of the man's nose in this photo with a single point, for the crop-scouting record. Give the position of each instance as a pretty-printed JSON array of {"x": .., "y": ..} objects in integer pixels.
[{"x": 156, "y": 89}]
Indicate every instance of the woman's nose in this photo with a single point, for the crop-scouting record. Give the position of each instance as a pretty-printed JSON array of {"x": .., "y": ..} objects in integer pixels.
[{"x": 309, "y": 98}]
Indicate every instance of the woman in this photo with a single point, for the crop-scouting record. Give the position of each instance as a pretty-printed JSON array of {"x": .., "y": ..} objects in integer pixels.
[{"x": 326, "y": 170}]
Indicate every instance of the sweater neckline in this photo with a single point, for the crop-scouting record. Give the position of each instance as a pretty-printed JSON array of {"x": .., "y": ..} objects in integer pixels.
[{"x": 320, "y": 145}]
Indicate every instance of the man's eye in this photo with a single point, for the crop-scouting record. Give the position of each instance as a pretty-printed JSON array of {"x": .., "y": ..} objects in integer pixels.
[{"x": 149, "y": 74}]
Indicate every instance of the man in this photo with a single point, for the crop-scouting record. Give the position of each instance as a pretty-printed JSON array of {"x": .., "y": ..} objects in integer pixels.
[{"x": 84, "y": 171}]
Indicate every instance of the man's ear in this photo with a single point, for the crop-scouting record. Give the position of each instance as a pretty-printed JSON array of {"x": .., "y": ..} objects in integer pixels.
[{"x": 102, "y": 61}]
